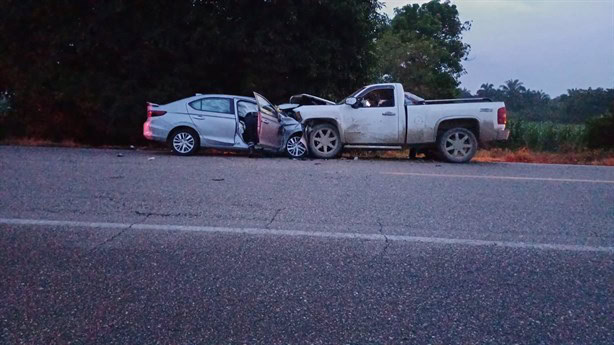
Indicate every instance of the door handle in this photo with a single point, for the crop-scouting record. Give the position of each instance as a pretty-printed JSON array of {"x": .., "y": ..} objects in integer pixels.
[
  {"x": 199, "y": 118},
  {"x": 265, "y": 121},
  {"x": 389, "y": 113}
]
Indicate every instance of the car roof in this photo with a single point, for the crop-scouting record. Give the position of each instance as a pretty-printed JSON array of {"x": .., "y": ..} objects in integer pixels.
[{"x": 202, "y": 95}]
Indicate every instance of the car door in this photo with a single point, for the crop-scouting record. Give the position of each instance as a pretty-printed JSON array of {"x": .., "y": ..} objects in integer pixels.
[
  {"x": 375, "y": 119},
  {"x": 215, "y": 119},
  {"x": 269, "y": 132}
]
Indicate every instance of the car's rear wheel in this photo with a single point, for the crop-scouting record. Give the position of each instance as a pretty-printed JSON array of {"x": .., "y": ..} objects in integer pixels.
[
  {"x": 324, "y": 141},
  {"x": 457, "y": 145},
  {"x": 295, "y": 148},
  {"x": 184, "y": 142}
]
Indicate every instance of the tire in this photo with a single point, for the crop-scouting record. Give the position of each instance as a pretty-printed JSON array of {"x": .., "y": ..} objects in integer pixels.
[
  {"x": 457, "y": 145},
  {"x": 184, "y": 142},
  {"x": 325, "y": 141},
  {"x": 295, "y": 148}
]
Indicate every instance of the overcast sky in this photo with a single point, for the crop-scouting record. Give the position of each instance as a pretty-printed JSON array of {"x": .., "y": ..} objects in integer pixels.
[{"x": 550, "y": 45}]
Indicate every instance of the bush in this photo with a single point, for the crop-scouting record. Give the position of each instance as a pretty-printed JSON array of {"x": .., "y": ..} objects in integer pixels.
[{"x": 600, "y": 132}]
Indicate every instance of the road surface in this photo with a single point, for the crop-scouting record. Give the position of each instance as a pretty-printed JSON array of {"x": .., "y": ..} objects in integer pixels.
[{"x": 150, "y": 248}]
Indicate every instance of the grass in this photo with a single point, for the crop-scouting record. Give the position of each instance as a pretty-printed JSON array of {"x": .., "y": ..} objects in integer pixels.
[{"x": 524, "y": 155}]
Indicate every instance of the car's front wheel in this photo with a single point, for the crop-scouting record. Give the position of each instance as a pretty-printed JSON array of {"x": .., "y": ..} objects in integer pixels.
[
  {"x": 295, "y": 148},
  {"x": 457, "y": 145},
  {"x": 184, "y": 142},
  {"x": 324, "y": 141}
]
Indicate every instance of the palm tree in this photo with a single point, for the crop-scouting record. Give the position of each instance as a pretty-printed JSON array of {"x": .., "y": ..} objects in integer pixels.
[
  {"x": 512, "y": 93},
  {"x": 486, "y": 90},
  {"x": 513, "y": 87}
]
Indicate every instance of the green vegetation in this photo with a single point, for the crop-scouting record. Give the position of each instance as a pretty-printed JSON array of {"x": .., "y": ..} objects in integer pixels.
[
  {"x": 545, "y": 136},
  {"x": 574, "y": 121}
]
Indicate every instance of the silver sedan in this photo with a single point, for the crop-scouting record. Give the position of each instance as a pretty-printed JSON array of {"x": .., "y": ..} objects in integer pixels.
[{"x": 224, "y": 122}]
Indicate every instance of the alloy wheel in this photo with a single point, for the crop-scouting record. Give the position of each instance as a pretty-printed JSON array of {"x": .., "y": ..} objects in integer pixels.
[
  {"x": 183, "y": 142},
  {"x": 458, "y": 145},
  {"x": 325, "y": 140},
  {"x": 295, "y": 147}
]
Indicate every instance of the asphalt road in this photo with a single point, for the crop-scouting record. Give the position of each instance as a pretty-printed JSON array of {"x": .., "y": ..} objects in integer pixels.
[{"x": 149, "y": 248}]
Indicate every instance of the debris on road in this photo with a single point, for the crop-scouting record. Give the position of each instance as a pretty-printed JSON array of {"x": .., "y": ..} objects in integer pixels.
[
  {"x": 120, "y": 155},
  {"x": 217, "y": 179},
  {"x": 151, "y": 158}
]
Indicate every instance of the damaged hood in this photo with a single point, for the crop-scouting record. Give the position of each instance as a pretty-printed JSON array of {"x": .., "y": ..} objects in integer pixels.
[{"x": 304, "y": 99}]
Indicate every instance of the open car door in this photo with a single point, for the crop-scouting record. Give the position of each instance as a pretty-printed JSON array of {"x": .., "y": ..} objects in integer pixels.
[{"x": 269, "y": 131}]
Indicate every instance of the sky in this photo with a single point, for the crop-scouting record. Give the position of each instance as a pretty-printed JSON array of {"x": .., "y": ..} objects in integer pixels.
[{"x": 549, "y": 45}]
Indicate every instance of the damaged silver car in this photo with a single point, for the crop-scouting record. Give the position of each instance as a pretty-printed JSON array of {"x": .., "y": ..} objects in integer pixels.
[{"x": 224, "y": 122}]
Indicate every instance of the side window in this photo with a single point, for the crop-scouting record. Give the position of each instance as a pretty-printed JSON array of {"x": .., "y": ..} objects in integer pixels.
[
  {"x": 379, "y": 98},
  {"x": 266, "y": 106},
  {"x": 243, "y": 108},
  {"x": 214, "y": 105},
  {"x": 196, "y": 104}
]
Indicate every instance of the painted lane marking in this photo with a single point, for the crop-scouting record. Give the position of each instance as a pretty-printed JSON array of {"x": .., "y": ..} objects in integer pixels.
[
  {"x": 515, "y": 178},
  {"x": 301, "y": 233}
]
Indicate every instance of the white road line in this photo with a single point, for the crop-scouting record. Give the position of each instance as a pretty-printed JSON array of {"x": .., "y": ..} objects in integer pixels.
[
  {"x": 336, "y": 235},
  {"x": 492, "y": 177}
]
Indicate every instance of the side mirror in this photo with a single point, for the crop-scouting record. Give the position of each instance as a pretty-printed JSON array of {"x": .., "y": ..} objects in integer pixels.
[{"x": 352, "y": 101}]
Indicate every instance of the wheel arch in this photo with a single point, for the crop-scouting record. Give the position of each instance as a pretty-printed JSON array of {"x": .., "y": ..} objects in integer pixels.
[
  {"x": 470, "y": 123},
  {"x": 177, "y": 128},
  {"x": 309, "y": 123}
]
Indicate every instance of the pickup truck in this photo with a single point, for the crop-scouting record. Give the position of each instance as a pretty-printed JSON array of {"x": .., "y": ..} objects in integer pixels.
[{"x": 385, "y": 116}]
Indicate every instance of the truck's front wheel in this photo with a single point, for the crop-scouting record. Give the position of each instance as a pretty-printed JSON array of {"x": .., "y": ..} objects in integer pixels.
[
  {"x": 457, "y": 145},
  {"x": 324, "y": 141}
]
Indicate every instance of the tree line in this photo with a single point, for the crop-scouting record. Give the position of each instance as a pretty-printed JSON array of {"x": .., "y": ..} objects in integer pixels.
[
  {"x": 83, "y": 70},
  {"x": 575, "y": 106}
]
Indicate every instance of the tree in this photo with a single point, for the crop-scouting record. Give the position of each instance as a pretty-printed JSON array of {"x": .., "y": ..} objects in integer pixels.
[
  {"x": 464, "y": 93},
  {"x": 488, "y": 90},
  {"x": 514, "y": 86},
  {"x": 423, "y": 49},
  {"x": 87, "y": 77},
  {"x": 576, "y": 106}
]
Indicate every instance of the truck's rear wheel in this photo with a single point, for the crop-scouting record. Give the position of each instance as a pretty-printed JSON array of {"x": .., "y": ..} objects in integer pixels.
[
  {"x": 457, "y": 145},
  {"x": 324, "y": 141}
]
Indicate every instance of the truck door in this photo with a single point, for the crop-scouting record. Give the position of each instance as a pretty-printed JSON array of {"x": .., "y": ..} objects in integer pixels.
[{"x": 375, "y": 120}]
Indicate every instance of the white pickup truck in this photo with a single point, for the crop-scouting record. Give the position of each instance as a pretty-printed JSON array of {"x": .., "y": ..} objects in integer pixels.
[{"x": 384, "y": 116}]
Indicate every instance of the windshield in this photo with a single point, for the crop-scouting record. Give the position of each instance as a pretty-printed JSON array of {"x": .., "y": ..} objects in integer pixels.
[{"x": 353, "y": 94}]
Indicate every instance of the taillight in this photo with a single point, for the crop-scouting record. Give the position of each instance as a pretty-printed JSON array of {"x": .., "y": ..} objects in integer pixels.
[
  {"x": 151, "y": 112},
  {"x": 259, "y": 123},
  {"x": 501, "y": 116}
]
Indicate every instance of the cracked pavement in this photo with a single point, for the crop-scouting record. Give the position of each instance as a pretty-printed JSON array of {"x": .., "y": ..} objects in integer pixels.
[{"x": 126, "y": 284}]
